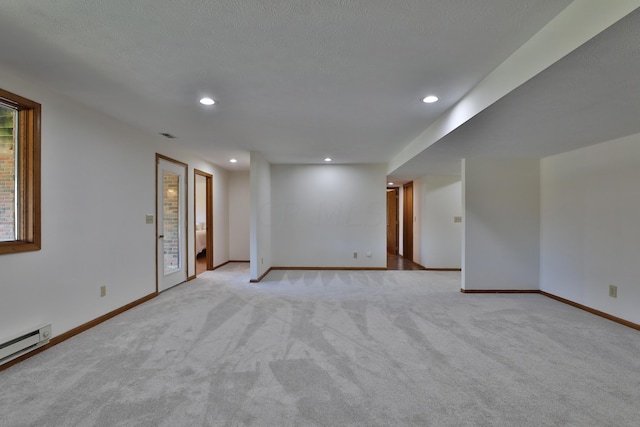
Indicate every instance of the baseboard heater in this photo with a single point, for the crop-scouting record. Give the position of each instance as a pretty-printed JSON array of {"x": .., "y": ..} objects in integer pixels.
[{"x": 24, "y": 343}]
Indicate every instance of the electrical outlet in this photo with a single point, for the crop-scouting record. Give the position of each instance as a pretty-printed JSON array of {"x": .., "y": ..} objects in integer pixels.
[
  {"x": 261, "y": 260},
  {"x": 103, "y": 290},
  {"x": 355, "y": 255},
  {"x": 613, "y": 291}
]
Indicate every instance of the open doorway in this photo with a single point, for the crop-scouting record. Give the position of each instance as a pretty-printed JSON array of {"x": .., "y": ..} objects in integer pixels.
[{"x": 203, "y": 221}]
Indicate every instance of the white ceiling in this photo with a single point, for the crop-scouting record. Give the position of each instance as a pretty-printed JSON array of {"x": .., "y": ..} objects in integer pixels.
[
  {"x": 592, "y": 95},
  {"x": 300, "y": 80}
]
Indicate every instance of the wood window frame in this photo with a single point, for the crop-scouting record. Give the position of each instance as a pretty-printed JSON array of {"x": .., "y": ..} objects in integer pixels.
[{"x": 28, "y": 174}]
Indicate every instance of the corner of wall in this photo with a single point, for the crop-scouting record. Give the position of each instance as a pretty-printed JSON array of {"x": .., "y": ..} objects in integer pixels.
[{"x": 259, "y": 216}]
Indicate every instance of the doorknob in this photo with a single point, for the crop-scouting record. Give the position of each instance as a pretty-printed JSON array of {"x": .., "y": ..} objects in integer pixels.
[{"x": 161, "y": 236}]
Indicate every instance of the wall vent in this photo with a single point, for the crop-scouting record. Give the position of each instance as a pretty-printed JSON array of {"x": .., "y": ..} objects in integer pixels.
[{"x": 23, "y": 343}]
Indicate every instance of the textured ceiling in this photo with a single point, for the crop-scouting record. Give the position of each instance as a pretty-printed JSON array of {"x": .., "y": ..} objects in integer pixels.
[
  {"x": 296, "y": 80},
  {"x": 590, "y": 96}
]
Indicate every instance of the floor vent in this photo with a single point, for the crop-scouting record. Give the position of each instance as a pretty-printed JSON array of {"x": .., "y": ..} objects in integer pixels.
[{"x": 24, "y": 343}]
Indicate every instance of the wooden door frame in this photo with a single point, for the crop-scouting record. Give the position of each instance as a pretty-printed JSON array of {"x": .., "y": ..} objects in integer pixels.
[
  {"x": 209, "y": 215},
  {"x": 396, "y": 192},
  {"x": 407, "y": 221}
]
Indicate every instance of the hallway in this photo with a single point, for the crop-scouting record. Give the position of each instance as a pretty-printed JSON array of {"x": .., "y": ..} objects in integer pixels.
[{"x": 397, "y": 262}]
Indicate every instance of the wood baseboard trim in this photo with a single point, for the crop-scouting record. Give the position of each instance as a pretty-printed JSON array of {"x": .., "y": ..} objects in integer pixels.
[
  {"x": 190, "y": 278},
  {"x": 221, "y": 265},
  {"x": 332, "y": 268},
  {"x": 259, "y": 279},
  {"x": 319, "y": 269},
  {"x": 422, "y": 267},
  {"x": 238, "y": 260},
  {"x": 557, "y": 298},
  {"x": 499, "y": 291},
  {"x": 225, "y": 263},
  {"x": 592, "y": 310},
  {"x": 75, "y": 331}
]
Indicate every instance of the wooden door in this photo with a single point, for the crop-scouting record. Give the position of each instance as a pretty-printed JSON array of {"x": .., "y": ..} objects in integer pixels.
[
  {"x": 392, "y": 221},
  {"x": 407, "y": 222}
]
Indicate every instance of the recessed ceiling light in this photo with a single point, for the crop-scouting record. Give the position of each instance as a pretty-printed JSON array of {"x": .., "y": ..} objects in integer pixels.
[
  {"x": 390, "y": 183},
  {"x": 233, "y": 161},
  {"x": 430, "y": 99},
  {"x": 328, "y": 159},
  {"x": 207, "y": 101}
]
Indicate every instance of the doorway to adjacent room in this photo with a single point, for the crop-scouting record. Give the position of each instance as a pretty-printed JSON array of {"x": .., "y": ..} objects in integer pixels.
[
  {"x": 392, "y": 220},
  {"x": 203, "y": 221}
]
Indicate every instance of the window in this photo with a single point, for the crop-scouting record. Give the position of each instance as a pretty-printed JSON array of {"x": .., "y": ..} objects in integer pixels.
[{"x": 19, "y": 174}]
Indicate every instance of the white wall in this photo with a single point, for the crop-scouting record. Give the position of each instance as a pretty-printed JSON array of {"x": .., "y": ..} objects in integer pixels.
[
  {"x": 239, "y": 196},
  {"x": 221, "y": 236},
  {"x": 98, "y": 183},
  {"x": 501, "y": 224},
  {"x": 439, "y": 239},
  {"x": 260, "y": 254},
  {"x": 323, "y": 213},
  {"x": 590, "y": 226},
  {"x": 201, "y": 199}
]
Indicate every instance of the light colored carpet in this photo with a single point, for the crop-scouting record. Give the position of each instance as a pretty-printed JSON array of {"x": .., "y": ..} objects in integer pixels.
[{"x": 311, "y": 348}]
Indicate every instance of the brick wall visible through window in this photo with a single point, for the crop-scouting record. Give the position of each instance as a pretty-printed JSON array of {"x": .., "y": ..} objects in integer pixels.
[
  {"x": 171, "y": 224},
  {"x": 7, "y": 175},
  {"x": 19, "y": 174}
]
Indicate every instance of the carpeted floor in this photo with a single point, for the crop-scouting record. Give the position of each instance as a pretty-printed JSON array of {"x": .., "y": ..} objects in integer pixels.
[{"x": 325, "y": 348}]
